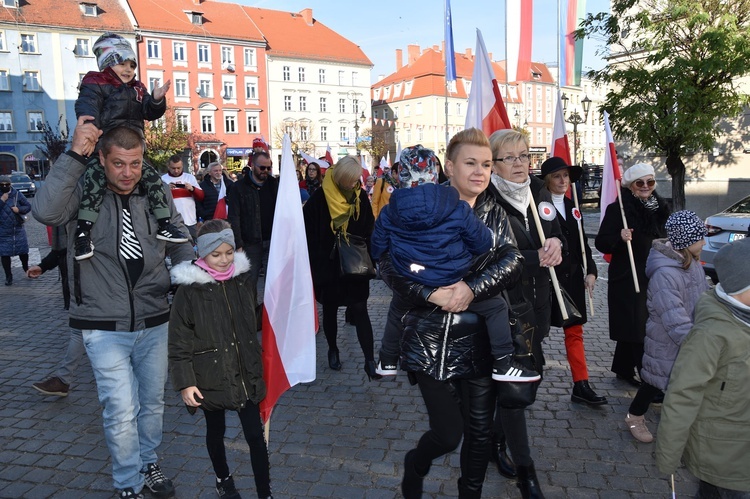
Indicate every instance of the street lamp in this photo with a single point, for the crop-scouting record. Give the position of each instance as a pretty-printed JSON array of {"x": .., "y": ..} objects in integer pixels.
[
  {"x": 354, "y": 97},
  {"x": 575, "y": 119}
]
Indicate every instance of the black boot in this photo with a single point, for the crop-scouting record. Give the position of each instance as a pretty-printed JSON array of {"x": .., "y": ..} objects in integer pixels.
[
  {"x": 505, "y": 465},
  {"x": 583, "y": 394},
  {"x": 9, "y": 280},
  {"x": 411, "y": 485},
  {"x": 528, "y": 482},
  {"x": 466, "y": 493},
  {"x": 370, "y": 370},
  {"x": 333, "y": 360}
]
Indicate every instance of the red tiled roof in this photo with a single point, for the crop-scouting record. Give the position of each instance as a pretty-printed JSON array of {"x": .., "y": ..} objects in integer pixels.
[
  {"x": 289, "y": 35},
  {"x": 68, "y": 14},
  {"x": 428, "y": 74},
  {"x": 220, "y": 19}
]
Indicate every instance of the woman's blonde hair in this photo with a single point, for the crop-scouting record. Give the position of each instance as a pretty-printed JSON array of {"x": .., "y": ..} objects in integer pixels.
[
  {"x": 470, "y": 136},
  {"x": 501, "y": 138},
  {"x": 346, "y": 171}
]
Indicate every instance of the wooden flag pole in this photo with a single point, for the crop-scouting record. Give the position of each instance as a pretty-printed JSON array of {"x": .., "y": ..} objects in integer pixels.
[
  {"x": 552, "y": 274},
  {"x": 583, "y": 248},
  {"x": 630, "y": 246}
]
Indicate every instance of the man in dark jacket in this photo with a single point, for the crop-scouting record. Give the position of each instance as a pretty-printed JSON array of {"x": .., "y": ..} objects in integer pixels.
[
  {"x": 252, "y": 202},
  {"x": 216, "y": 187},
  {"x": 120, "y": 299}
]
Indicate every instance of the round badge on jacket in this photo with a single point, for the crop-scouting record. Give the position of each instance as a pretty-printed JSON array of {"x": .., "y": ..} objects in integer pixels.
[{"x": 547, "y": 211}]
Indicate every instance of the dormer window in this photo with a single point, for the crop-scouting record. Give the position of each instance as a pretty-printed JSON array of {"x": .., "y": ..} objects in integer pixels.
[
  {"x": 195, "y": 17},
  {"x": 12, "y": 4},
  {"x": 536, "y": 76},
  {"x": 88, "y": 9}
]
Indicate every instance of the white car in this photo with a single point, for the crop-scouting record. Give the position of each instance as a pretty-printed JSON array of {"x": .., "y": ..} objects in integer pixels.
[{"x": 729, "y": 225}]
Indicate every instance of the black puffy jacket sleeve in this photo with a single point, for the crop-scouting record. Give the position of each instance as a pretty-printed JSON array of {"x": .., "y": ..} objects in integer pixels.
[{"x": 490, "y": 273}]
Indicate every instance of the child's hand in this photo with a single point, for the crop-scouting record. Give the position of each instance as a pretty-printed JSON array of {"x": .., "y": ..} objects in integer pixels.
[
  {"x": 160, "y": 92},
  {"x": 189, "y": 395}
]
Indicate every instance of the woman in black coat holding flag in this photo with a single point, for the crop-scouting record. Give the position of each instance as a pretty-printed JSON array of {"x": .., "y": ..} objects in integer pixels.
[
  {"x": 558, "y": 177},
  {"x": 646, "y": 213}
]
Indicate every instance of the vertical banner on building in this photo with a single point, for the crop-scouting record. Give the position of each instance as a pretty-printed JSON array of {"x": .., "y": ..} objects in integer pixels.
[
  {"x": 518, "y": 26},
  {"x": 571, "y": 57}
]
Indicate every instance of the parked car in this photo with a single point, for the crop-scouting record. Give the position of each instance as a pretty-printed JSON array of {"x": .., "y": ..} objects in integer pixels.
[
  {"x": 23, "y": 184},
  {"x": 725, "y": 227}
]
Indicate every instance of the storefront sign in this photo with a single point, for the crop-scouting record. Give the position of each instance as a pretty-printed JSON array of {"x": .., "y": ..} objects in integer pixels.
[{"x": 239, "y": 151}]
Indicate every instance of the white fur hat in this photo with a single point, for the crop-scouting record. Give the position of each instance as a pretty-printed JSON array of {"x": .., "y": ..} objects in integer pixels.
[{"x": 635, "y": 172}]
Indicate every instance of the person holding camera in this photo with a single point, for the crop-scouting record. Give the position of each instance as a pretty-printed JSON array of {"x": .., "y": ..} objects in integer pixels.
[{"x": 185, "y": 192}]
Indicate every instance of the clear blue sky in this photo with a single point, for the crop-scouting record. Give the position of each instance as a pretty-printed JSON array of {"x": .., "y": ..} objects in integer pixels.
[{"x": 385, "y": 25}]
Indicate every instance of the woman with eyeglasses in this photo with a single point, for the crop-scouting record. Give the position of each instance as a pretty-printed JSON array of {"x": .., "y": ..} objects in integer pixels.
[
  {"x": 515, "y": 190},
  {"x": 13, "y": 240},
  {"x": 312, "y": 178},
  {"x": 646, "y": 213},
  {"x": 340, "y": 206}
]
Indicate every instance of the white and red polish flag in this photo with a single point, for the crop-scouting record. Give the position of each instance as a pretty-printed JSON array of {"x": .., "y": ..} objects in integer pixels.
[
  {"x": 289, "y": 313},
  {"x": 329, "y": 156},
  {"x": 611, "y": 172},
  {"x": 518, "y": 24},
  {"x": 486, "y": 109},
  {"x": 560, "y": 145}
]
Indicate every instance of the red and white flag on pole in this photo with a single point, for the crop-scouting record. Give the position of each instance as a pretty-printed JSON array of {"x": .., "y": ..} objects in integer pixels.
[
  {"x": 560, "y": 145},
  {"x": 518, "y": 23},
  {"x": 611, "y": 171},
  {"x": 289, "y": 312},
  {"x": 486, "y": 109},
  {"x": 329, "y": 156}
]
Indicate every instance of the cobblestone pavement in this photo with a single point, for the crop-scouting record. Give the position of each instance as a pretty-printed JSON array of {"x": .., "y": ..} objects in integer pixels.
[{"x": 340, "y": 436}]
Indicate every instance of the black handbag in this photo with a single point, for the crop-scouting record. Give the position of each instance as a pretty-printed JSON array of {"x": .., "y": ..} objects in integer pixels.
[
  {"x": 522, "y": 330},
  {"x": 354, "y": 257},
  {"x": 574, "y": 316},
  {"x": 20, "y": 219}
]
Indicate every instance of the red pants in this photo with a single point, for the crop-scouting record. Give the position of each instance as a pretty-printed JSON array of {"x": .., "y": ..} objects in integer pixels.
[{"x": 575, "y": 352}]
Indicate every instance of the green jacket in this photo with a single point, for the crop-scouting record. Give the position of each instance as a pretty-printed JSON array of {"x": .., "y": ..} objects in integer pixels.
[
  {"x": 706, "y": 414},
  {"x": 213, "y": 339}
]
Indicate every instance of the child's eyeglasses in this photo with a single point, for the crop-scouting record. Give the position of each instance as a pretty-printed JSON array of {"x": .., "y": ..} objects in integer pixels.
[{"x": 642, "y": 183}]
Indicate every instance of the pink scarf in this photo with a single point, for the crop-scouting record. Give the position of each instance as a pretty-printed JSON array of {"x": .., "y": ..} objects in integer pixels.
[{"x": 219, "y": 276}]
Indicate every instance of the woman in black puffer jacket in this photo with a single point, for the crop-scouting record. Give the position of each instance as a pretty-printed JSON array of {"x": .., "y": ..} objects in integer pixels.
[{"x": 447, "y": 353}]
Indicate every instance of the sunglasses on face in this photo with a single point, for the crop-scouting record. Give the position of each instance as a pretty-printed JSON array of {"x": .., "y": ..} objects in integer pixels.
[
  {"x": 642, "y": 183},
  {"x": 264, "y": 168},
  {"x": 4, "y": 184}
]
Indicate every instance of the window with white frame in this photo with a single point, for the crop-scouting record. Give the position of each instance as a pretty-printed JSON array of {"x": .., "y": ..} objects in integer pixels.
[
  {"x": 323, "y": 133},
  {"x": 355, "y": 78},
  {"x": 418, "y": 108},
  {"x": 385, "y": 114},
  {"x": 304, "y": 133},
  {"x": 250, "y": 58},
  {"x": 230, "y": 122},
  {"x": 302, "y": 103},
  {"x": 321, "y": 76},
  {"x": 251, "y": 88},
  {"x": 10, "y": 3},
  {"x": 355, "y": 107},
  {"x": 183, "y": 120},
  {"x": 28, "y": 43},
  {"x": 323, "y": 105},
  {"x": 89, "y": 9},
  {"x": 207, "y": 121},
  {"x": 6, "y": 121},
  {"x": 204, "y": 53},
  {"x": 287, "y": 103},
  {"x": 3, "y": 43},
  {"x": 342, "y": 76},
  {"x": 375, "y": 114},
  {"x": 153, "y": 82},
  {"x": 420, "y": 134},
  {"x": 342, "y": 133},
  {"x": 227, "y": 55},
  {"x": 36, "y": 121},
  {"x": 153, "y": 49},
  {"x": 31, "y": 82},
  {"x": 301, "y": 73},
  {"x": 286, "y": 73},
  {"x": 407, "y": 110},
  {"x": 408, "y": 135},
  {"x": 206, "y": 86},
  {"x": 342, "y": 105},
  {"x": 83, "y": 48},
  {"x": 179, "y": 51},
  {"x": 4, "y": 79},
  {"x": 228, "y": 89},
  {"x": 458, "y": 108},
  {"x": 252, "y": 123},
  {"x": 180, "y": 86}
]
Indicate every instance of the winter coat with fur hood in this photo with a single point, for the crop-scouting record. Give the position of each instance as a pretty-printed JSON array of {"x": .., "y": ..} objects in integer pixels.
[
  {"x": 213, "y": 342},
  {"x": 672, "y": 295}
]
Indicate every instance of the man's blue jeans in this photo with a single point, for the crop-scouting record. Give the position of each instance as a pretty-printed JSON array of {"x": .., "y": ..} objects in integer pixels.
[{"x": 130, "y": 370}]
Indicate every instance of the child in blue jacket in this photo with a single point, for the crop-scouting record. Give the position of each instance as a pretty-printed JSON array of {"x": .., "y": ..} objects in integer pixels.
[{"x": 432, "y": 237}]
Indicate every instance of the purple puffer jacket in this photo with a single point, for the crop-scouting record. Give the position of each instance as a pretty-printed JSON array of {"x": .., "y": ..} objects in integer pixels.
[{"x": 672, "y": 295}]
